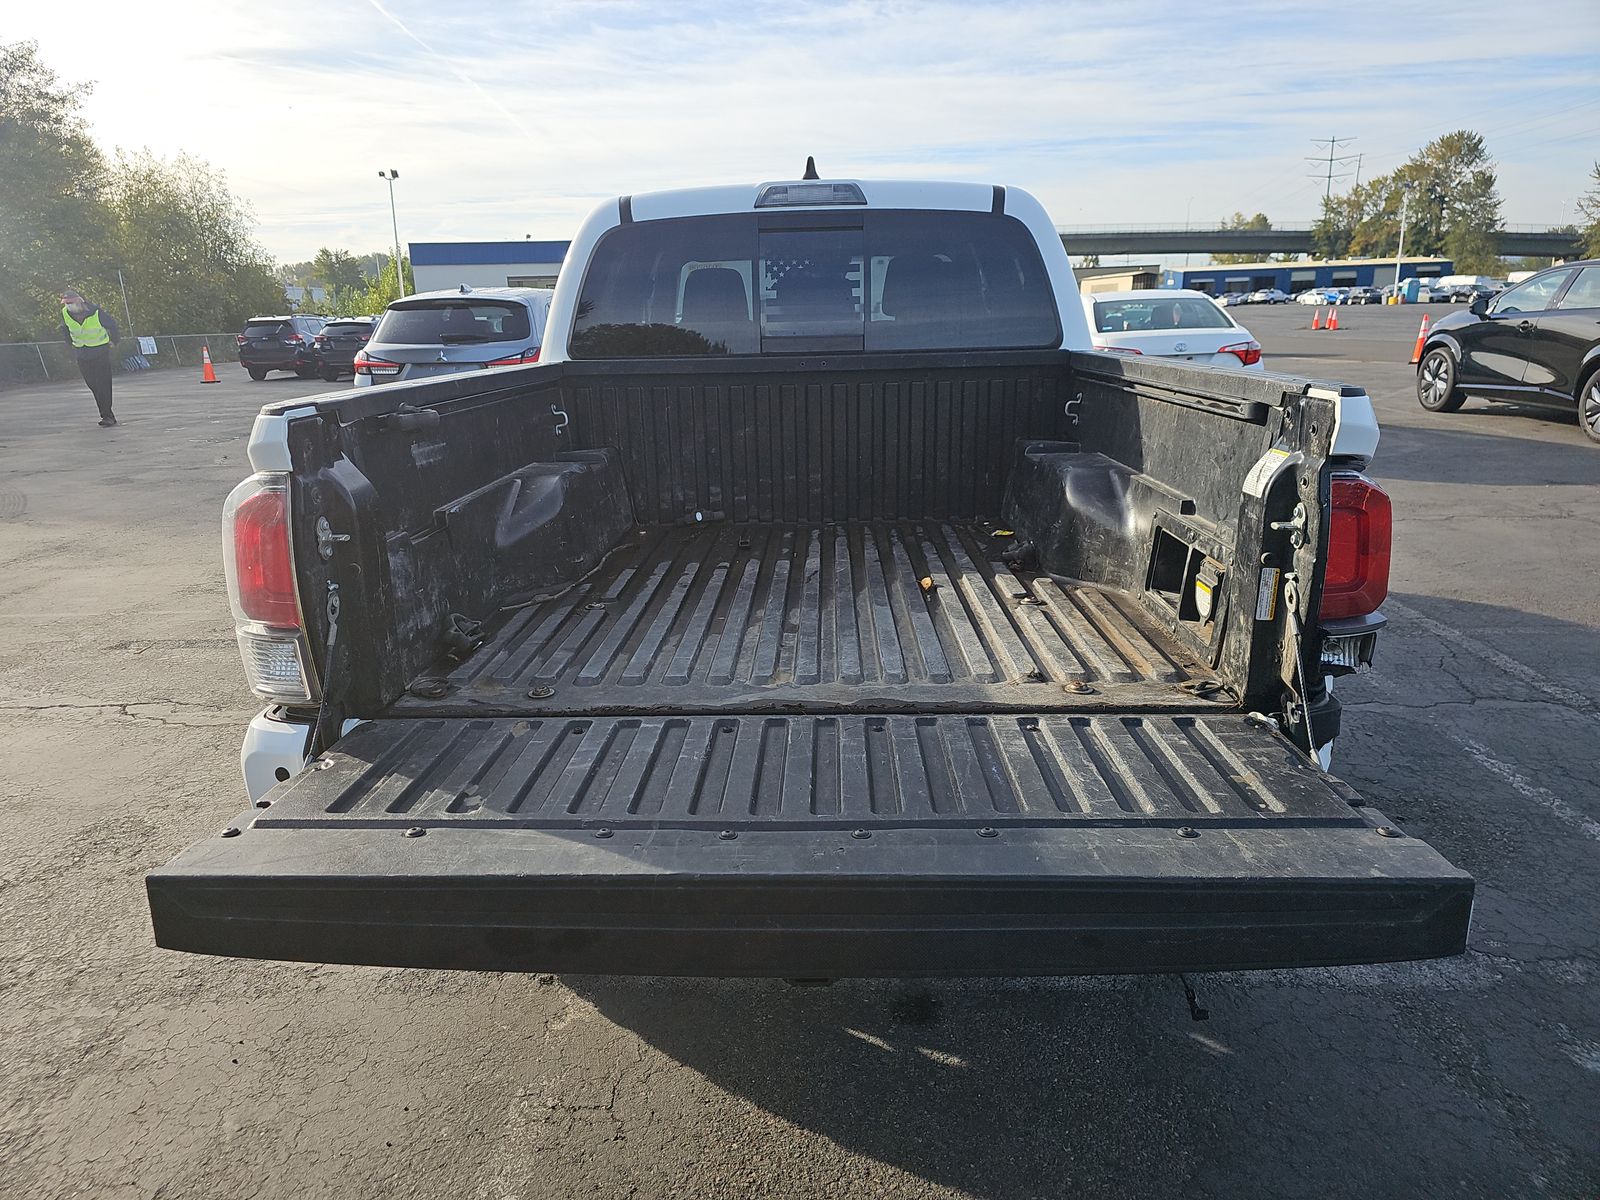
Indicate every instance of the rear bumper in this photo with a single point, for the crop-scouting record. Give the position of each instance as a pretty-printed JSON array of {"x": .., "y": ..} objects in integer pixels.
[
  {"x": 818, "y": 903},
  {"x": 276, "y": 362}
]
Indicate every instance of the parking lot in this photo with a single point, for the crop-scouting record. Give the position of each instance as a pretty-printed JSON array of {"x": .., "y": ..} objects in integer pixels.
[{"x": 133, "y": 1072}]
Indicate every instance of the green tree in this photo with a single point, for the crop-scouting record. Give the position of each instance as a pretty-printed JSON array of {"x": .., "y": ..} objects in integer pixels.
[
  {"x": 1589, "y": 210},
  {"x": 187, "y": 246},
  {"x": 1452, "y": 204},
  {"x": 337, "y": 269},
  {"x": 52, "y": 229},
  {"x": 1330, "y": 235},
  {"x": 372, "y": 298},
  {"x": 1240, "y": 221}
]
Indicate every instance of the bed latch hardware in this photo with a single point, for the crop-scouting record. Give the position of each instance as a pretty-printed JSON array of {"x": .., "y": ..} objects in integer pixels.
[
  {"x": 327, "y": 538},
  {"x": 562, "y": 420}
]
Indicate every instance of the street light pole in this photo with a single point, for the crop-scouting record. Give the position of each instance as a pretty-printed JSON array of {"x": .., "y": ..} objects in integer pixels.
[
  {"x": 399, "y": 268},
  {"x": 1400, "y": 250}
]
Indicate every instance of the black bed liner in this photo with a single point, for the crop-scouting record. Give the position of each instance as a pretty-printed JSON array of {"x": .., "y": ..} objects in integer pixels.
[{"x": 892, "y": 616}]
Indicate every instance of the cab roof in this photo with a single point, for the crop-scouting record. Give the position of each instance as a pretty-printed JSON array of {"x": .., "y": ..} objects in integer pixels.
[{"x": 879, "y": 193}]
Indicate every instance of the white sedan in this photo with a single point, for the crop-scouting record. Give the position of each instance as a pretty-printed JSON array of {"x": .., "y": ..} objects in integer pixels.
[
  {"x": 1170, "y": 323},
  {"x": 1269, "y": 296}
]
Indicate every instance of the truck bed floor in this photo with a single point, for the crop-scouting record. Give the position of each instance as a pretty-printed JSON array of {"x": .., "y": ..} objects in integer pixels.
[{"x": 878, "y": 617}]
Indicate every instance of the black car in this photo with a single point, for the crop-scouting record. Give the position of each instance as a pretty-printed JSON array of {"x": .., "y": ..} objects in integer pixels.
[
  {"x": 1536, "y": 343},
  {"x": 334, "y": 349},
  {"x": 279, "y": 344}
]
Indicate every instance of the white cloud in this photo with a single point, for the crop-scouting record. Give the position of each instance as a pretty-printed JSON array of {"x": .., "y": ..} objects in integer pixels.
[{"x": 507, "y": 119}]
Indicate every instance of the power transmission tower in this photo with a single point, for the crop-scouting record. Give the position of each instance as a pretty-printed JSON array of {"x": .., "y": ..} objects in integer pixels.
[{"x": 1333, "y": 144}]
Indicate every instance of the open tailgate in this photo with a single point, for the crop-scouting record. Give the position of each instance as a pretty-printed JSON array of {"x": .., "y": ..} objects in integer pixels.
[{"x": 815, "y": 846}]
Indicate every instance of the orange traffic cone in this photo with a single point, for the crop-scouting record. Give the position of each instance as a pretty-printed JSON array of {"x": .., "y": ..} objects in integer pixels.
[
  {"x": 1316, "y": 319},
  {"x": 1422, "y": 336},
  {"x": 208, "y": 373},
  {"x": 1333, "y": 318}
]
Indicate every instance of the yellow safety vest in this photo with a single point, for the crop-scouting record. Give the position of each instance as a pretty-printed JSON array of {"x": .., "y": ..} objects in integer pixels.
[{"x": 85, "y": 333}]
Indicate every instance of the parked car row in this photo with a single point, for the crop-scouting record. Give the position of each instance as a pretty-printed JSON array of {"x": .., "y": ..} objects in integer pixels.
[
  {"x": 431, "y": 333},
  {"x": 1427, "y": 293}
]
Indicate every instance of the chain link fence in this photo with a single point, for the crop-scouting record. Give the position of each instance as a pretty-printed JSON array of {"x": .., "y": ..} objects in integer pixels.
[{"x": 45, "y": 362}]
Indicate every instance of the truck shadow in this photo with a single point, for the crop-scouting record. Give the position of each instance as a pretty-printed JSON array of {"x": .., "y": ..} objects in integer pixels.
[
  {"x": 998, "y": 1088},
  {"x": 1501, "y": 454}
]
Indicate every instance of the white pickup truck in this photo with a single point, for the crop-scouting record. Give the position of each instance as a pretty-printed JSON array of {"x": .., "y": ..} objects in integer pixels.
[{"x": 820, "y": 605}]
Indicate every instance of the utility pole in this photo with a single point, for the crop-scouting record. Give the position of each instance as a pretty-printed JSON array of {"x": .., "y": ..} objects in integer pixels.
[
  {"x": 399, "y": 267},
  {"x": 127, "y": 314},
  {"x": 1400, "y": 250},
  {"x": 1333, "y": 143},
  {"x": 1357, "y": 183}
]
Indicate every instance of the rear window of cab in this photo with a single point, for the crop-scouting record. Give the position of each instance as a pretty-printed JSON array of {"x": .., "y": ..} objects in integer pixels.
[{"x": 746, "y": 283}]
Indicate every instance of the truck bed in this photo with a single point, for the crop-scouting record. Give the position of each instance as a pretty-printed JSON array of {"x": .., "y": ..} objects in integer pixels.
[{"x": 864, "y": 616}]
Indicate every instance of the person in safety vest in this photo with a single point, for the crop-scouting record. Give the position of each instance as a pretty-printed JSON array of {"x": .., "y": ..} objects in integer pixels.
[{"x": 91, "y": 332}]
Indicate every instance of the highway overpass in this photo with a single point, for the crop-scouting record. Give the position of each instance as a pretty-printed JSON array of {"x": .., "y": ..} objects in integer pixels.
[{"x": 1537, "y": 240}]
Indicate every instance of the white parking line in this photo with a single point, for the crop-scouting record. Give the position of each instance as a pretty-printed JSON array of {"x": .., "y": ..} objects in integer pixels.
[
  {"x": 1525, "y": 787},
  {"x": 1517, "y": 670}
]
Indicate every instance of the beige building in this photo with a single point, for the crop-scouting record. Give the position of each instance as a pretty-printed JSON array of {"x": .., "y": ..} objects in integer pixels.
[{"x": 1118, "y": 279}]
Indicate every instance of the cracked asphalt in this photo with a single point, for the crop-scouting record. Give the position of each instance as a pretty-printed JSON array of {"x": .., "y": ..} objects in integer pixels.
[{"x": 132, "y": 1072}]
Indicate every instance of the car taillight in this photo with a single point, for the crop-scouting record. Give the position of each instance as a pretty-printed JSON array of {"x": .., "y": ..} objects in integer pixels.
[
  {"x": 530, "y": 355},
  {"x": 1248, "y": 353},
  {"x": 1360, "y": 528},
  {"x": 240, "y": 338},
  {"x": 258, "y": 561},
  {"x": 366, "y": 364},
  {"x": 1121, "y": 349},
  {"x": 294, "y": 337}
]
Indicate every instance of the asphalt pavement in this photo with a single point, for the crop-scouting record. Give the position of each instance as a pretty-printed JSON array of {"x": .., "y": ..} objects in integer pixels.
[{"x": 134, "y": 1072}]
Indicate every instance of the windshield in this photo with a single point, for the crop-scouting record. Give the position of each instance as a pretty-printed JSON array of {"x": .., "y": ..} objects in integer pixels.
[
  {"x": 814, "y": 283},
  {"x": 453, "y": 322},
  {"x": 1135, "y": 316}
]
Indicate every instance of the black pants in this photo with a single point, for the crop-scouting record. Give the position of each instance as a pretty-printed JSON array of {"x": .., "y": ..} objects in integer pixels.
[{"x": 94, "y": 364}]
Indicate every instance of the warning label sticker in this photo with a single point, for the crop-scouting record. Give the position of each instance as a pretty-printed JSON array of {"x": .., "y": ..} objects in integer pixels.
[
  {"x": 1267, "y": 468},
  {"x": 1267, "y": 594}
]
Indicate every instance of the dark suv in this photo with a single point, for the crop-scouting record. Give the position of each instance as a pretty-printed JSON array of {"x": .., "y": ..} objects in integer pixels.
[
  {"x": 335, "y": 348},
  {"x": 279, "y": 344},
  {"x": 1535, "y": 343}
]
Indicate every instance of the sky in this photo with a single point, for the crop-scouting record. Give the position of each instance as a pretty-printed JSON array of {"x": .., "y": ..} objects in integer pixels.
[{"x": 508, "y": 119}]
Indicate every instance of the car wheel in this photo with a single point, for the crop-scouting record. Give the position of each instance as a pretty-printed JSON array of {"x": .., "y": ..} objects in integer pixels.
[
  {"x": 306, "y": 372},
  {"x": 330, "y": 374},
  {"x": 1436, "y": 382},
  {"x": 1589, "y": 406},
  {"x": 257, "y": 373}
]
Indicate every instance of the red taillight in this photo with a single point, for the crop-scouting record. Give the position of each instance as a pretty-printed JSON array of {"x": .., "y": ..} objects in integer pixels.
[
  {"x": 529, "y": 355},
  {"x": 1360, "y": 528},
  {"x": 366, "y": 364},
  {"x": 294, "y": 337},
  {"x": 240, "y": 338},
  {"x": 1248, "y": 353},
  {"x": 263, "y": 569}
]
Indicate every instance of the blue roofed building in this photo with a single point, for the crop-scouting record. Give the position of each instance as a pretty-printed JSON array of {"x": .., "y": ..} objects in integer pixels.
[
  {"x": 1296, "y": 277},
  {"x": 436, "y": 266}
]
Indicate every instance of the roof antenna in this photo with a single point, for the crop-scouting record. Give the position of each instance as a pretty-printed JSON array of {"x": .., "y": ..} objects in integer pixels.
[{"x": 811, "y": 169}]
